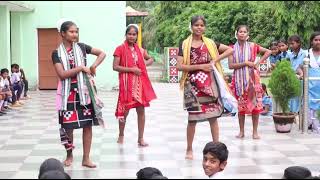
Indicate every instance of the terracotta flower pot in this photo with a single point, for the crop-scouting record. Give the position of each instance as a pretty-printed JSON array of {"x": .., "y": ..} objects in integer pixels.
[{"x": 283, "y": 122}]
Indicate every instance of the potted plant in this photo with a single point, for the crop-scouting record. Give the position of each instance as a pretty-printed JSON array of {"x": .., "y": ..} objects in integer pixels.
[{"x": 284, "y": 85}]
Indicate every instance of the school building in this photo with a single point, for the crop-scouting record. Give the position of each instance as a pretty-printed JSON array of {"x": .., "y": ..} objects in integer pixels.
[{"x": 28, "y": 35}]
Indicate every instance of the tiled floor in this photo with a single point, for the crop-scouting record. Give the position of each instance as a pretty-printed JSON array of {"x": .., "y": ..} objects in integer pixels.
[{"x": 30, "y": 135}]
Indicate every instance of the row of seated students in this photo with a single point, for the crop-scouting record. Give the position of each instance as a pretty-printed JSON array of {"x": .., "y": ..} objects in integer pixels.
[{"x": 13, "y": 89}]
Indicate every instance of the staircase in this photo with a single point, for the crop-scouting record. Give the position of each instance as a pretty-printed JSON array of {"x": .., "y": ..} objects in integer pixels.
[{"x": 156, "y": 72}]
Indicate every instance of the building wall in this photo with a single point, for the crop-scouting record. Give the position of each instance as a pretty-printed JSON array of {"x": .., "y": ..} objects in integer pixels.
[
  {"x": 4, "y": 37},
  {"x": 101, "y": 25}
]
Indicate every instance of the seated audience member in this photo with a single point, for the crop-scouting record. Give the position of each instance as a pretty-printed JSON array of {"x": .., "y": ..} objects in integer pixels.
[
  {"x": 16, "y": 83},
  {"x": 50, "y": 165},
  {"x": 25, "y": 85},
  {"x": 266, "y": 102},
  {"x": 5, "y": 92},
  {"x": 55, "y": 175},
  {"x": 296, "y": 172},
  {"x": 215, "y": 156},
  {"x": 150, "y": 173}
]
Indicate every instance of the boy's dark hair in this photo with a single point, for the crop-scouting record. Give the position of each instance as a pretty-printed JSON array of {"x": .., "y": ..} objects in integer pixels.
[
  {"x": 55, "y": 175},
  {"x": 217, "y": 149},
  {"x": 296, "y": 172},
  {"x": 150, "y": 173},
  {"x": 50, "y": 165},
  {"x": 4, "y": 70},
  {"x": 158, "y": 177}
]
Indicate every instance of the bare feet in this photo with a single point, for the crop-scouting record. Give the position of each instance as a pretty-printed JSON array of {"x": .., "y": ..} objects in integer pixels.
[
  {"x": 88, "y": 164},
  {"x": 255, "y": 136},
  {"x": 120, "y": 139},
  {"x": 141, "y": 143},
  {"x": 189, "y": 155},
  {"x": 240, "y": 136},
  {"x": 68, "y": 161}
]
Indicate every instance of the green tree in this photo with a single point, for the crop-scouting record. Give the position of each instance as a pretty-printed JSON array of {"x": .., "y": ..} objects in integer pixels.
[
  {"x": 167, "y": 23},
  {"x": 297, "y": 17},
  {"x": 142, "y": 5}
]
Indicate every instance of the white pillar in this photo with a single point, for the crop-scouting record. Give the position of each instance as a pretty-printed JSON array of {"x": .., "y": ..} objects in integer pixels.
[{"x": 305, "y": 108}]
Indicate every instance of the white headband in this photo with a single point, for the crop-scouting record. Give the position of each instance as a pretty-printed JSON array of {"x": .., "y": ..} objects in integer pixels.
[
  {"x": 135, "y": 25},
  {"x": 60, "y": 22}
]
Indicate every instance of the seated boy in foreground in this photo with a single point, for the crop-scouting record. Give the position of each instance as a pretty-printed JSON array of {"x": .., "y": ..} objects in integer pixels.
[{"x": 215, "y": 156}]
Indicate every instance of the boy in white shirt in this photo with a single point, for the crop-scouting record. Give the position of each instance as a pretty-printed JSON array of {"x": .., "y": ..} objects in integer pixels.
[
  {"x": 215, "y": 156},
  {"x": 16, "y": 84},
  {"x": 5, "y": 92}
]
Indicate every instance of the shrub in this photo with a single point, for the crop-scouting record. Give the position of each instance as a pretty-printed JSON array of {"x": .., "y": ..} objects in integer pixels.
[{"x": 284, "y": 85}]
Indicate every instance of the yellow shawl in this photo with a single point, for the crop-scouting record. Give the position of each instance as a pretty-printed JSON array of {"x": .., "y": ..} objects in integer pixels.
[{"x": 213, "y": 51}]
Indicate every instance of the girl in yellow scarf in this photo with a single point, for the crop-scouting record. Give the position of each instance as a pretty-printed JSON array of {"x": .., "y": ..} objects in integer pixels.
[{"x": 202, "y": 100}]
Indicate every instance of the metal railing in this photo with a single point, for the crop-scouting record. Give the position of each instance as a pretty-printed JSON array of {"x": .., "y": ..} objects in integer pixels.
[
  {"x": 304, "y": 111},
  {"x": 303, "y": 125}
]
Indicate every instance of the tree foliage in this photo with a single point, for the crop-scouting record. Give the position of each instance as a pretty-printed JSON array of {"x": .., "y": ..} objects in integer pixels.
[{"x": 167, "y": 23}]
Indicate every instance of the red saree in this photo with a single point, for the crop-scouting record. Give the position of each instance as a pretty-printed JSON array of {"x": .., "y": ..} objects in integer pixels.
[{"x": 134, "y": 91}]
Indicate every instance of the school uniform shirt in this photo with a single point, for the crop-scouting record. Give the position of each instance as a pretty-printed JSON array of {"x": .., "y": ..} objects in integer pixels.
[
  {"x": 218, "y": 175},
  {"x": 314, "y": 60},
  {"x": 266, "y": 100},
  {"x": 274, "y": 58},
  {"x": 15, "y": 77},
  {"x": 2, "y": 83},
  {"x": 6, "y": 83},
  {"x": 296, "y": 59},
  {"x": 283, "y": 55}
]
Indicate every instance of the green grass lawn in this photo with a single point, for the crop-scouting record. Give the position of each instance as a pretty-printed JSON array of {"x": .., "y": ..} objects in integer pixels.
[{"x": 265, "y": 80}]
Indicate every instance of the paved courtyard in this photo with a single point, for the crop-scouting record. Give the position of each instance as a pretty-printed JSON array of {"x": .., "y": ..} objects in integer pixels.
[{"x": 29, "y": 135}]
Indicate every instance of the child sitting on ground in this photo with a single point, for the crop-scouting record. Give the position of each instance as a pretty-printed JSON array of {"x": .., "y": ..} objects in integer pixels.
[
  {"x": 25, "y": 85},
  {"x": 5, "y": 92},
  {"x": 16, "y": 84},
  {"x": 266, "y": 102}
]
